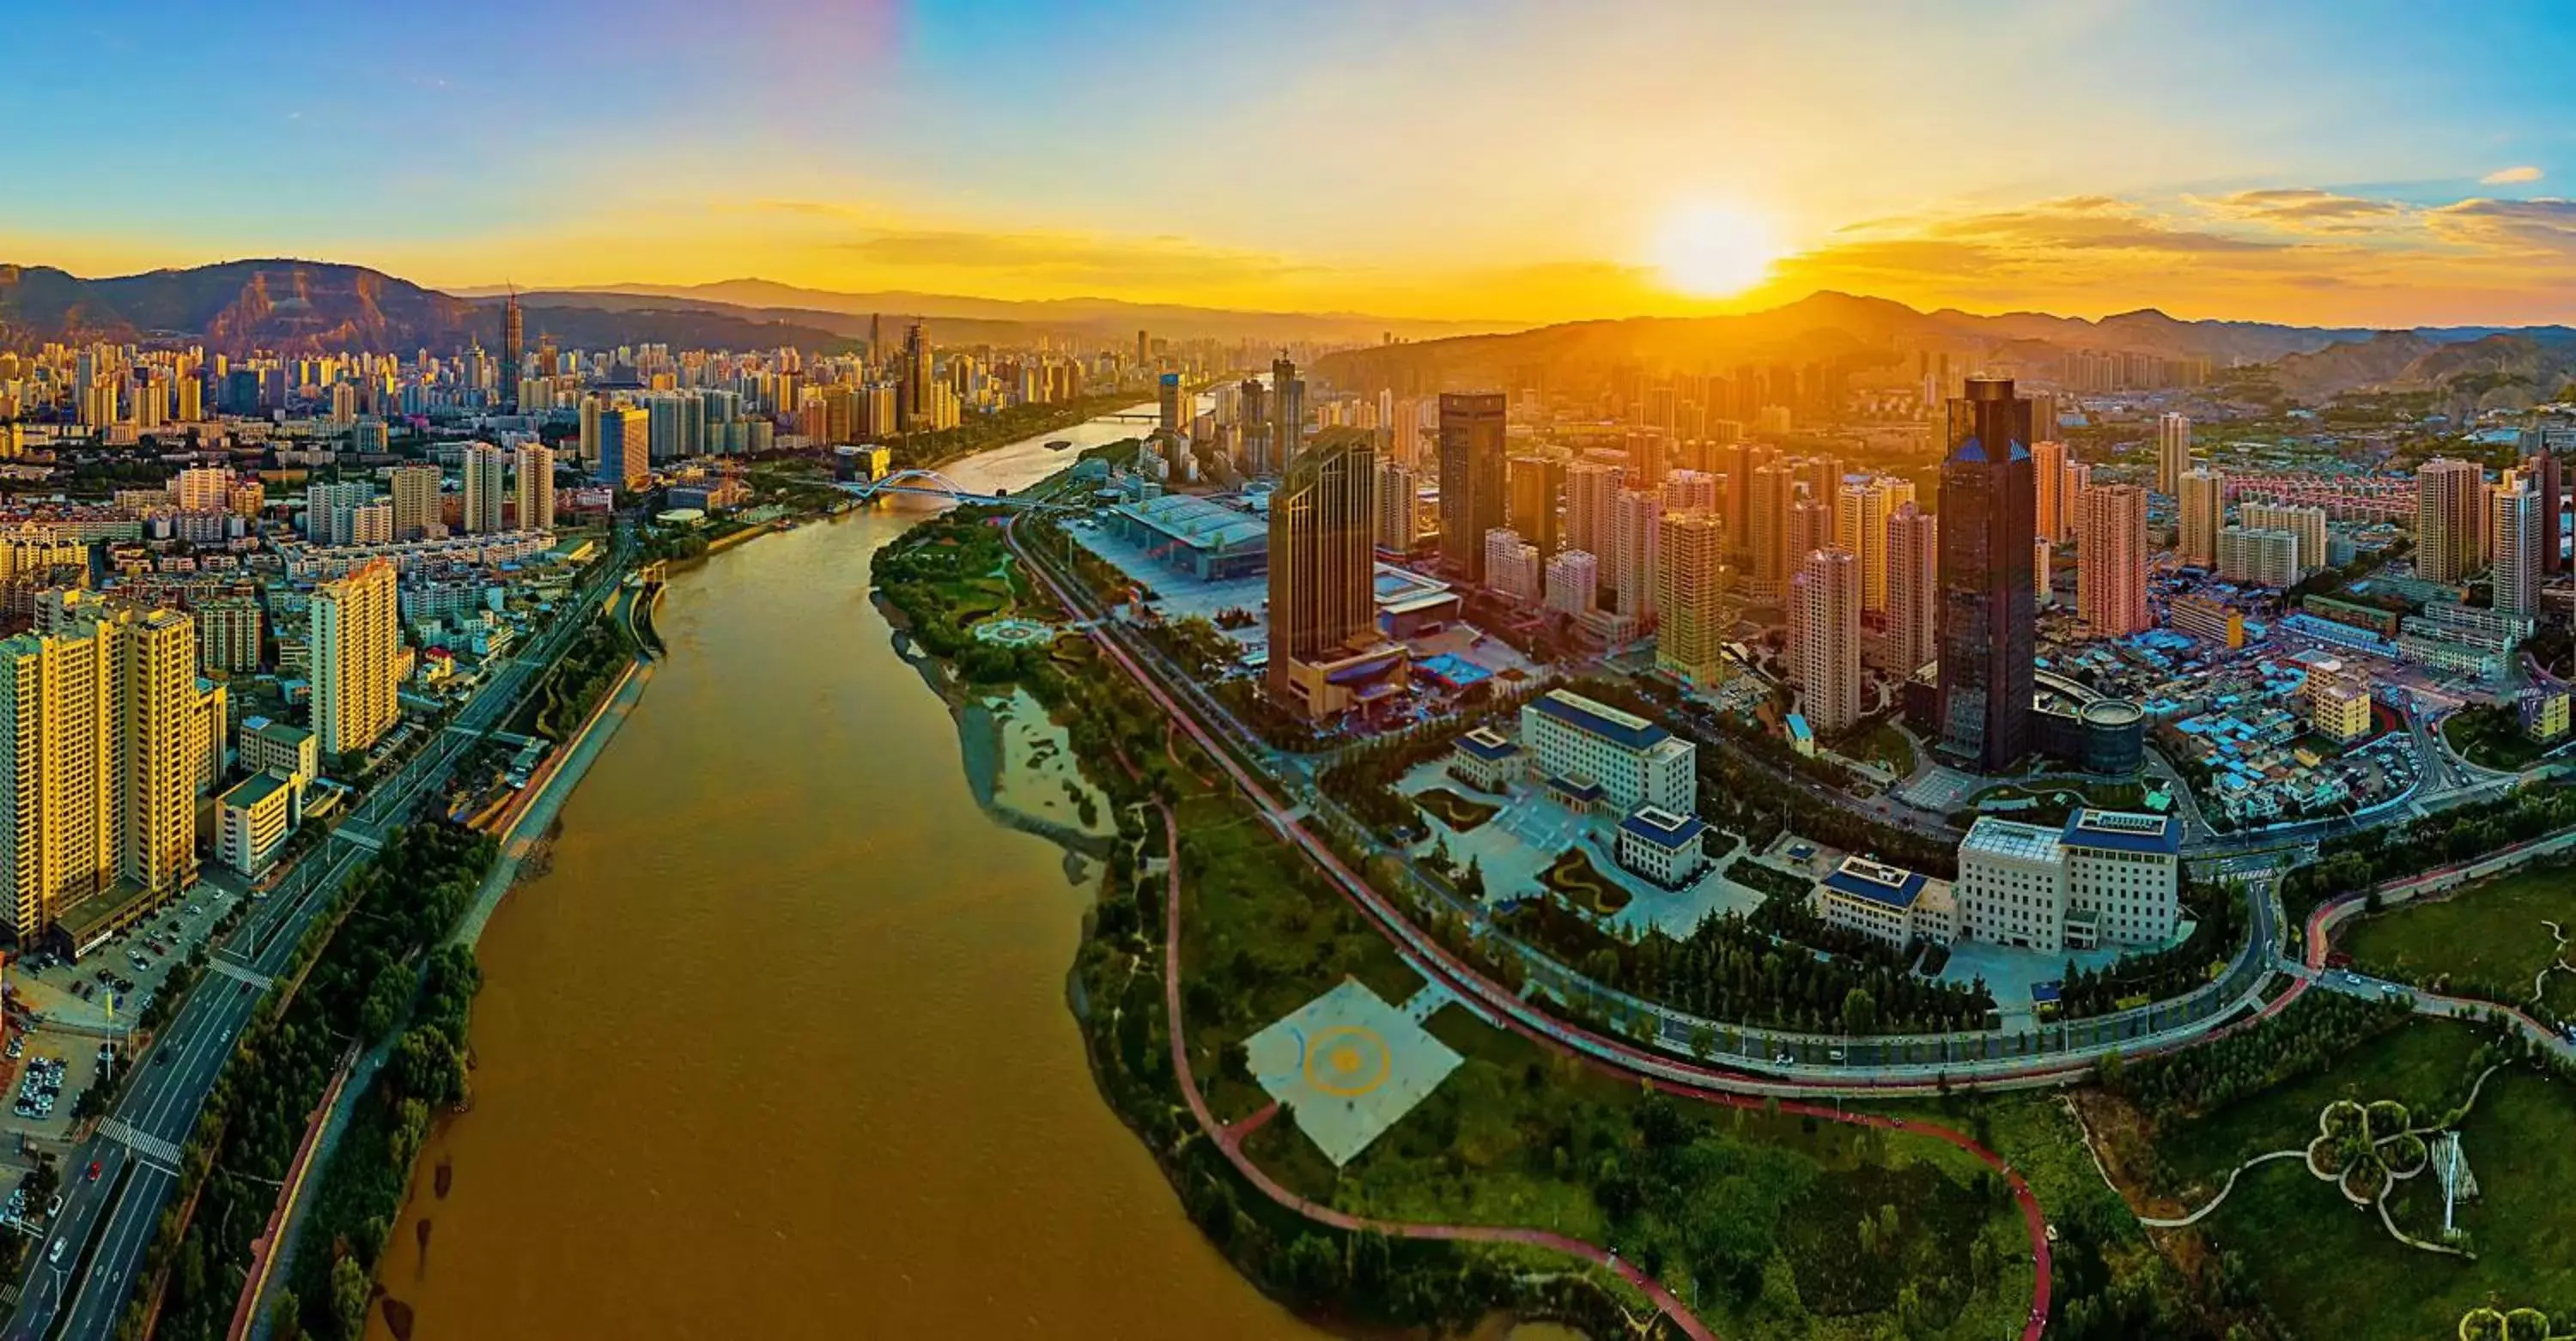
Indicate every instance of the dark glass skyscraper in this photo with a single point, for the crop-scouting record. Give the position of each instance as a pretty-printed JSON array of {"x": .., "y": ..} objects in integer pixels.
[
  {"x": 1471, "y": 478},
  {"x": 1989, "y": 522},
  {"x": 1323, "y": 555}
]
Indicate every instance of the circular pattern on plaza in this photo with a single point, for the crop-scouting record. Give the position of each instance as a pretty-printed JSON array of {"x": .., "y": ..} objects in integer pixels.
[
  {"x": 1007, "y": 632},
  {"x": 1348, "y": 1060}
]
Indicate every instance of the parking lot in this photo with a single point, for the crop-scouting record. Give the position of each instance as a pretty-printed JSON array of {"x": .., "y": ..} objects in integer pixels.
[{"x": 133, "y": 963}]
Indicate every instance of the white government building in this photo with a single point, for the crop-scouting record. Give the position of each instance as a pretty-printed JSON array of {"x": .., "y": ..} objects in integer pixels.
[
  {"x": 1635, "y": 763},
  {"x": 2107, "y": 878}
]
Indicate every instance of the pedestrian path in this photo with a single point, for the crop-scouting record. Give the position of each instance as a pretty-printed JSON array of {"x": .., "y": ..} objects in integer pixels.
[
  {"x": 141, "y": 1143},
  {"x": 1432, "y": 997},
  {"x": 237, "y": 973}
]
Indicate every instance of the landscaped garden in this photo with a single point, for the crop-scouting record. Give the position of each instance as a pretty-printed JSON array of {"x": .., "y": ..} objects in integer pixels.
[
  {"x": 2491, "y": 941},
  {"x": 1574, "y": 878},
  {"x": 2493, "y": 737},
  {"x": 1458, "y": 812}
]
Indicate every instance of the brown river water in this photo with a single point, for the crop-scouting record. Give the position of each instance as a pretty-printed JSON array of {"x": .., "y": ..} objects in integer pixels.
[{"x": 779, "y": 1045}]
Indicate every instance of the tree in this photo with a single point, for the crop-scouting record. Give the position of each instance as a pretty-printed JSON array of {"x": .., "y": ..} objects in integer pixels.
[
  {"x": 1860, "y": 1011},
  {"x": 351, "y": 1290}
]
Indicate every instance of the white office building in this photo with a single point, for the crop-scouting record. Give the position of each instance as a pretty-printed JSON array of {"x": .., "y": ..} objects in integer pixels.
[
  {"x": 1634, "y": 762},
  {"x": 2106, "y": 878}
]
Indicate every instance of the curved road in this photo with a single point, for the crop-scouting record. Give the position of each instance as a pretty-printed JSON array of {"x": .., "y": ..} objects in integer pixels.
[{"x": 1436, "y": 964}]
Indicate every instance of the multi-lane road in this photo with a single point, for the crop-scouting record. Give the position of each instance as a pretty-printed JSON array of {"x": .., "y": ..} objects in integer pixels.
[{"x": 80, "y": 1275}]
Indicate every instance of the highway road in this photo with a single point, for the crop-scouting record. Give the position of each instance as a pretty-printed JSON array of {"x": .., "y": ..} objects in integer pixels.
[{"x": 106, "y": 1225}]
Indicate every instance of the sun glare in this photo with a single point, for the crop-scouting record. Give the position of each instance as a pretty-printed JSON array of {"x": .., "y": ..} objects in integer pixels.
[{"x": 1713, "y": 250}]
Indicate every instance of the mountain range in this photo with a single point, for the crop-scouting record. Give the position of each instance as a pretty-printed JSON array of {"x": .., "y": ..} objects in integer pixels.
[{"x": 305, "y": 307}]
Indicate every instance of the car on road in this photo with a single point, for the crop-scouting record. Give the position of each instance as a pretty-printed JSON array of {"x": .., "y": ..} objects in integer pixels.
[
  {"x": 93, "y": 1172},
  {"x": 55, "y": 1253}
]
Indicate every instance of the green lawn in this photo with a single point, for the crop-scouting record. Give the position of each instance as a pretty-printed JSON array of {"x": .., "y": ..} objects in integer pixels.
[
  {"x": 1882, "y": 744},
  {"x": 2423, "y": 1064},
  {"x": 1458, "y": 812},
  {"x": 2331, "y": 1271},
  {"x": 2487, "y": 941},
  {"x": 2493, "y": 737}
]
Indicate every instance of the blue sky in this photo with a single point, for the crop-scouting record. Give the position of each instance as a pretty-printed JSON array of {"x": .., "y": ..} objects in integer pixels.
[{"x": 1409, "y": 157}]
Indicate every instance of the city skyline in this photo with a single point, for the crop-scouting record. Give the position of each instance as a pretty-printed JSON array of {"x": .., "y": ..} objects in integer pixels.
[{"x": 2207, "y": 162}]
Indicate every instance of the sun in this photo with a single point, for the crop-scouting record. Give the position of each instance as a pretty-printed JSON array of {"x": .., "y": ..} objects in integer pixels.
[{"x": 1713, "y": 249}]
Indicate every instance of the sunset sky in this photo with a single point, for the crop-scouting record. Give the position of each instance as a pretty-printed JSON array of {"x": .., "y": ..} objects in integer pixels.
[{"x": 2347, "y": 163}]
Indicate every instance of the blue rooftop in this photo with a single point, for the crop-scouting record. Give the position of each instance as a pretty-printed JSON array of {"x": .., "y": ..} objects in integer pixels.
[
  {"x": 1664, "y": 828},
  {"x": 1886, "y": 885},
  {"x": 1484, "y": 744},
  {"x": 1585, "y": 715},
  {"x": 2121, "y": 831}
]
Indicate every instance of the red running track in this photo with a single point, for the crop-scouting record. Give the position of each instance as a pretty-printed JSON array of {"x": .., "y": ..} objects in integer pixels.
[{"x": 1500, "y": 1005}]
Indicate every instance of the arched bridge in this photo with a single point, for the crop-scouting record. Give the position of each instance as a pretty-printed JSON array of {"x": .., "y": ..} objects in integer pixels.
[{"x": 930, "y": 483}]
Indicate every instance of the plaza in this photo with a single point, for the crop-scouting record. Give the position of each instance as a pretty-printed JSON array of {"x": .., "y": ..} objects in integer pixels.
[{"x": 1347, "y": 1066}]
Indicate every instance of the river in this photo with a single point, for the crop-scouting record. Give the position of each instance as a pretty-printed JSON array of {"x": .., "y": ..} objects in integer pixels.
[{"x": 778, "y": 1046}]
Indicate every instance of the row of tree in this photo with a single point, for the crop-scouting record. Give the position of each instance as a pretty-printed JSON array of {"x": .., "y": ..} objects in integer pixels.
[
  {"x": 2304, "y": 1040},
  {"x": 2369, "y": 857}
]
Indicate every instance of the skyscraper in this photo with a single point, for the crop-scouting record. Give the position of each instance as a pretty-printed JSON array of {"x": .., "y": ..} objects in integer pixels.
[
  {"x": 2308, "y": 523},
  {"x": 415, "y": 487},
  {"x": 1471, "y": 478},
  {"x": 1690, "y": 587},
  {"x": 1534, "y": 484},
  {"x": 2048, "y": 485},
  {"x": 2173, "y": 453},
  {"x": 1826, "y": 645},
  {"x": 354, "y": 649},
  {"x": 2111, "y": 561},
  {"x": 2516, "y": 576},
  {"x": 1287, "y": 412},
  {"x": 536, "y": 483},
  {"x": 487, "y": 471},
  {"x": 623, "y": 440},
  {"x": 1913, "y": 585},
  {"x": 1766, "y": 522},
  {"x": 1860, "y": 530},
  {"x": 912, "y": 389},
  {"x": 1591, "y": 499},
  {"x": 1174, "y": 418},
  {"x": 2202, "y": 500},
  {"x": 2450, "y": 521},
  {"x": 1396, "y": 504},
  {"x": 1988, "y": 525},
  {"x": 513, "y": 345},
  {"x": 2543, "y": 469},
  {"x": 1637, "y": 548},
  {"x": 1323, "y": 594}
]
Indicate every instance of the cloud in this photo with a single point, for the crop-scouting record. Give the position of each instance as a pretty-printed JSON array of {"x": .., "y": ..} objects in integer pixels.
[
  {"x": 2544, "y": 225},
  {"x": 2511, "y": 176},
  {"x": 2094, "y": 223},
  {"x": 2304, "y": 209}
]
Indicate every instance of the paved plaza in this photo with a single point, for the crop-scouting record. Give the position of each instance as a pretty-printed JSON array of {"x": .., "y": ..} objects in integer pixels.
[{"x": 1347, "y": 1066}]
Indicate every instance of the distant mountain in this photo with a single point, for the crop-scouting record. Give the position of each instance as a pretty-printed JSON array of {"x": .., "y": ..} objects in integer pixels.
[
  {"x": 292, "y": 307},
  {"x": 2350, "y": 365},
  {"x": 1097, "y": 317},
  {"x": 1859, "y": 332},
  {"x": 308, "y": 307}
]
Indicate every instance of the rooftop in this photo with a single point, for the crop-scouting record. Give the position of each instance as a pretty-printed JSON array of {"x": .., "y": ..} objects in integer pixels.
[
  {"x": 2006, "y": 838},
  {"x": 2122, "y": 831},
  {"x": 1486, "y": 743},
  {"x": 1879, "y": 883},
  {"x": 252, "y": 790},
  {"x": 1600, "y": 719},
  {"x": 1664, "y": 828}
]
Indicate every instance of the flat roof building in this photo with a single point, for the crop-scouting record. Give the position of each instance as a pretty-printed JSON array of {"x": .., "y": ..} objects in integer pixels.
[{"x": 1635, "y": 762}]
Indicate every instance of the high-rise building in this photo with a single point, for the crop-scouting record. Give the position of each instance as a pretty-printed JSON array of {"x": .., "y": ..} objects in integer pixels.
[
  {"x": 2111, "y": 561},
  {"x": 513, "y": 346},
  {"x": 1534, "y": 485},
  {"x": 228, "y": 634},
  {"x": 2543, "y": 470},
  {"x": 2173, "y": 453},
  {"x": 536, "y": 486},
  {"x": 1175, "y": 417},
  {"x": 354, "y": 651},
  {"x": 1591, "y": 506},
  {"x": 2450, "y": 520},
  {"x": 1287, "y": 412},
  {"x": 1511, "y": 565},
  {"x": 624, "y": 447},
  {"x": 2048, "y": 485},
  {"x": 1826, "y": 640},
  {"x": 1397, "y": 506},
  {"x": 2202, "y": 496},
  {"x": 1692, "y": 491},
  {"x": 328, "y": 509},
  {"x": 1766, "y": 520},
  {"x": 1913, "y": 586},
  {"x": 2307, "y": 523},
  {"x": 201, "y": 488},
  {"x": 2072, "y": 481},
  {"x": 1811, "y": 528},
  {"x": 1573, "y": 582},
  {"x": 913, "y": 389},
  {"x": 1323, "y": 594},
  {"x": 2516, "y": 576},
  {"x": 1860, "y": 530},
  {"x": 2258, "y": 556},
  {"x": 1986, "y": 613},
  {"x": 1471, "y": 478},
  {"x": 487, "y": 473},
  {"x": 1690, "y": 596},
  {"x": 96, "y": 719},
  {"x": 415, "y": 490},
  {"x": 1636, "y": 552}
]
